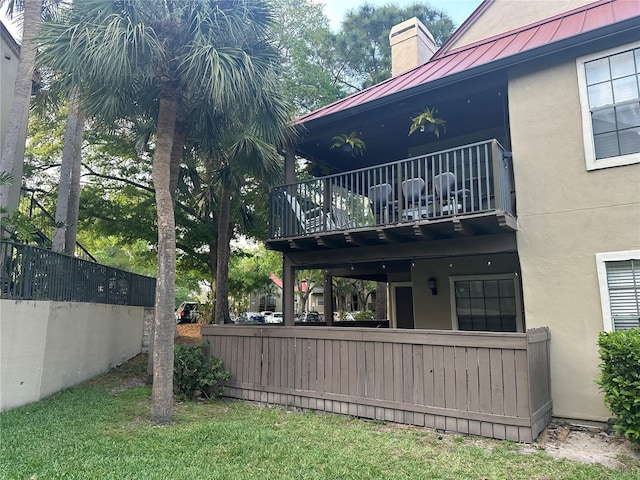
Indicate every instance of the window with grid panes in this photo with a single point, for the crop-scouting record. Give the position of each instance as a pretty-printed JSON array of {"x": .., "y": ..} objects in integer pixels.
[
  {"x": 623, "y": 282},
  {"x": 613, "y": 95},
  {"x": 487, "y": 304}
]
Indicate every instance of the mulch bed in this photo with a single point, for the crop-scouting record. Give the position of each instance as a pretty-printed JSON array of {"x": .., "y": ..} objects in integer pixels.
[{"x": 189, "y": 333}]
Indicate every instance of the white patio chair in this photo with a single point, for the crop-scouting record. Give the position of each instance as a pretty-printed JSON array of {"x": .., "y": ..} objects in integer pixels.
[
  {"x": 415, "y": 200},
  {"x": 447, "y": 197},
  {"x": 380, "y": 196},
  {"x": 313, "y": 220}
]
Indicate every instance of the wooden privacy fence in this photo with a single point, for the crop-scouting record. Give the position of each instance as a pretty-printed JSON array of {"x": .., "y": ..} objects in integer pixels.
[{"x": 480, "y": 383}]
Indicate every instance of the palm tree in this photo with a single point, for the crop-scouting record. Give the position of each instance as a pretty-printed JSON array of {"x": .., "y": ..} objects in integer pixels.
[
  {"x": 146, "y": 58},
  {"x": 248, "y": 152},
  {"x": 32, "y": 14}
]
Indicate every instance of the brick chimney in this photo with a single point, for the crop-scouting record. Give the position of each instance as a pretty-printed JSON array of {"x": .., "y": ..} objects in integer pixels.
[{"x": 411, "y": 45}]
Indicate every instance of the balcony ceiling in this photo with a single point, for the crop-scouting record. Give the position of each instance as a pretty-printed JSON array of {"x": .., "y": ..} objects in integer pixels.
[{"x": 476, "y": 112}]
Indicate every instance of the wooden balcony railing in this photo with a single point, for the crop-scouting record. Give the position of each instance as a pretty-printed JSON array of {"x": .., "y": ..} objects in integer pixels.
[{"x": 460, "y": 181}]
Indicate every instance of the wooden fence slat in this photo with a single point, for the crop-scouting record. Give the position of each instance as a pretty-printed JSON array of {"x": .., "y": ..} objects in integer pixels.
[
  {"x": 484, "y": 381},
  {"x": 509, "y": 382},
  {"x": 379, "y": 386},
  {"x": 427, "y": 356},
  {"x": 407, "y": 373},
  {"x": 335, "y": 386},
  {"x": 418, "y": 395},
  {"x": 291, "y": 362},
  {"x": 497, "y": 384},
  {"x": 438, "y": 377},
  {"x": 473, "y": 388},
  {"x": 320, "y": 367},
  {"x": 388, "y": 371},
  {"x": 449, "y": 377},
  {"x": 397, "y": 372},
  {"x": 352, "y": 369},
  {"x": 461, "y": 391},
  {"x": 370, "y": 363}
]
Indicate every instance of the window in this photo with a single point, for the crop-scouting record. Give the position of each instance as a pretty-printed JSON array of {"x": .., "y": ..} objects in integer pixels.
[
  {"x": 610, "y": 97},
  {"x": 320, "y": 300},
  {"x": 486, "y": 303},
  {"x": 619, "y": 279}
]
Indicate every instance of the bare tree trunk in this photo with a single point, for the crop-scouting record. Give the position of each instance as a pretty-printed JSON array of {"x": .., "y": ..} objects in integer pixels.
[
  {"x": 21, "y": 95},
  {"x": 381, "y": 301},
  {"x": 213, "y": 268},
  {"x": 74, "y": 187},
  {"x": 163, "y": 342},
  {"x": 221, "y": 314}
]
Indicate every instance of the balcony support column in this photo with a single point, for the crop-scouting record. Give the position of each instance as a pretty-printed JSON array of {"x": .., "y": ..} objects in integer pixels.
[{"x": 288, "y": 291}]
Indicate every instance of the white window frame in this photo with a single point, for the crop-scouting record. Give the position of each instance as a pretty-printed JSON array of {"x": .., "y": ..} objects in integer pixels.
[
  {"x": 587, "y": 126},
  {"x": 497, "y": 276},
  {"x": 601, "y": 266}
]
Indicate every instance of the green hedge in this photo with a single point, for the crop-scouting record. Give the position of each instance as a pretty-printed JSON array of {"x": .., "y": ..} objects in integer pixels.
[
  {"x": 620, "y": 379},
  {"x": 194, "y": 374}
]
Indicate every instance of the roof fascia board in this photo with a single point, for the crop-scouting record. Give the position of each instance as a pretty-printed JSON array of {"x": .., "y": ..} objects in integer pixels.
[{"x": 526, "y": 56}]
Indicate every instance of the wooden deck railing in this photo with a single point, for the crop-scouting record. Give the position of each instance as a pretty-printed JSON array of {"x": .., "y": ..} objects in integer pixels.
[
  {"x": 460, "y": 181},
  {"x": 481, "y": 383}
]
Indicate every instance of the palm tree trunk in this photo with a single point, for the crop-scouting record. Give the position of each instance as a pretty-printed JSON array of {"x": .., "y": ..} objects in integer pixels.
[
  {"x": 162, "y": 391},
  {"x": 179, "y": 141},
  {"x": 224, "y": 251},
  {"x": 70, "y": 154},
  {"x": 21, "y": 96},
  {"x": 74, "y": 187}
]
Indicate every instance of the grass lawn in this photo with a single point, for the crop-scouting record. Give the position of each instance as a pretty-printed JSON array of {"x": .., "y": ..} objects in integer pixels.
[{"x": 101, "y": 430}]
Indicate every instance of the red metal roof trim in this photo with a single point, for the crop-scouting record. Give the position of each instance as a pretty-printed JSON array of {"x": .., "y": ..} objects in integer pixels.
[{"x": 553, "y": 29}]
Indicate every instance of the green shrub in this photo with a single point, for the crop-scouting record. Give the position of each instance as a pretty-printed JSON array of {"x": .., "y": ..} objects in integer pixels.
[
  {"x": 193, "y": 372},
  {"x": 364, "y": 315},
  {"x": 620, "y": 379}
]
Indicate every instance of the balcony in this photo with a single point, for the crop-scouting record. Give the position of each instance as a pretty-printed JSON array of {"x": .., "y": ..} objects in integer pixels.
[{"x": 466, "y": 190}]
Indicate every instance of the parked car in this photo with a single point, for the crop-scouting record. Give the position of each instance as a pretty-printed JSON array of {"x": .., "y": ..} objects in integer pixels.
[
  {"x": 187, "y": 312},
  {"x": 311, "y": 317},
  {"x": 250, "y": 317},
  {"x": 274, "y": 317}
]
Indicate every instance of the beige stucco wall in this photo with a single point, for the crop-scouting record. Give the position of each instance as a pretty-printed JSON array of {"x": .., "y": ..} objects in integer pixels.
[
  {"x": 434, "y": 311},
  {"x": 48, "y": 346},
  {"x": 504, "y": 15},
  {"x": 565, "y": 216},
  {"x": 8, "y": 71}
]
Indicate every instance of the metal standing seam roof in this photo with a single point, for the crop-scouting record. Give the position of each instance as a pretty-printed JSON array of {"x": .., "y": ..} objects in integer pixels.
[{"x": 550, "y": 30}]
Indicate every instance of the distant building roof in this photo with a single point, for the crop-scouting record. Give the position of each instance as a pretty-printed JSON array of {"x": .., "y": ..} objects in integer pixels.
[
  {"x": 489, "y": 51},
  {"x": 278, "y": 281}
]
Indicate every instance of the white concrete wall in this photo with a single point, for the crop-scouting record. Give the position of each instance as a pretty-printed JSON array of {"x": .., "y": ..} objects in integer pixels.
[{"x": 48, "y": 346}]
